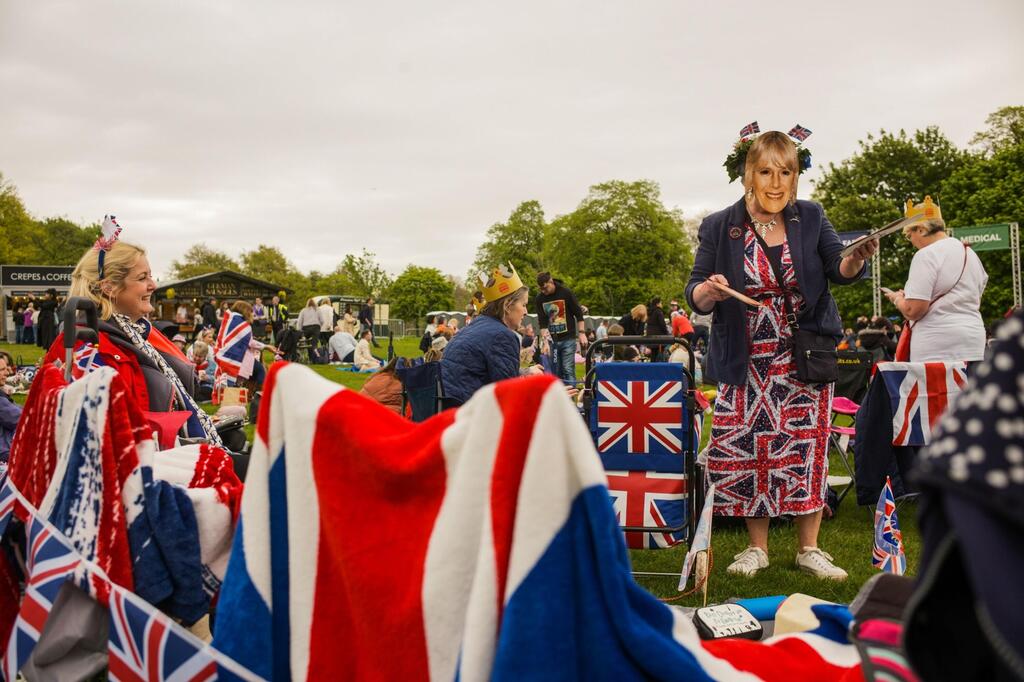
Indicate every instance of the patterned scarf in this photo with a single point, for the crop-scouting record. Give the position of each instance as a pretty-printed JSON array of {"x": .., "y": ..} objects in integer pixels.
[{"x": 138, "y": 332}]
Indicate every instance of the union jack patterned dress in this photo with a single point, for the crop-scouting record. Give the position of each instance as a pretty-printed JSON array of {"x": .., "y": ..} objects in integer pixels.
[{"x": 769, "y": 437}]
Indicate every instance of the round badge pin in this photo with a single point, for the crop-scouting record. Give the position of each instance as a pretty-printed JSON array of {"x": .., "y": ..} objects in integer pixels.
[{"x": 735, "y": 233}]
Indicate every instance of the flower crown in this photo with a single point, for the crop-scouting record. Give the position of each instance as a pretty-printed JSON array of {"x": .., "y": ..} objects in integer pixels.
[{"x": 737, "y": 159}]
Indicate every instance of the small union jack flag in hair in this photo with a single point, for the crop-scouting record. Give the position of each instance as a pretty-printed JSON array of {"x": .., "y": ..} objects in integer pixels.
[
  {"x": 799, "y": 133},
  {"x": 750, "y": 130},
  {"x": 109, "y": 233}
]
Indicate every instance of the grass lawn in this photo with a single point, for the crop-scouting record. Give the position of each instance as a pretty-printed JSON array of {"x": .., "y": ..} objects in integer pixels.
[{"x": 848, "y": 537}]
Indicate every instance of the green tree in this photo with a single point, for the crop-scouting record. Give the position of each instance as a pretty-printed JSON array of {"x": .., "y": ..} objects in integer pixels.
[
  {"x": 989, "y": 189},
  {"x": 19, "y": 234},
  {"x": 620, "y": 247},
  {"x": 365, "y": 276},
  {"x": 519, "y": 240},
  {"x": 63, "y": 242},
  {"x": 1005, "y": 129},
  {"x": 267, "y": 263},
  {"x": 200, "y": 260},
  {"x": 417, "y": 291},
  {"x": 870, "y": 189}
]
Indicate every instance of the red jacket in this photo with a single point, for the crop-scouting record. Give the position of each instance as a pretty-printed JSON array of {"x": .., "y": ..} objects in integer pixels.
[{"x": 125, "y": 362}]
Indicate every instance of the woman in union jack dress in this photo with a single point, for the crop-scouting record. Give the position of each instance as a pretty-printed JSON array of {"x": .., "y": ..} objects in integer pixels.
[{"x": 769, "y": 434}]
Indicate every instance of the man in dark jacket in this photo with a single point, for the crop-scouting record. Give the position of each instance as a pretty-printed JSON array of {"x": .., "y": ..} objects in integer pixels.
[
  {"x": 366, "y": 319},
  {"x": 209, "y": 313},
  {"x": 561, "y": 321},
  {"x": 656, "y": 326}
]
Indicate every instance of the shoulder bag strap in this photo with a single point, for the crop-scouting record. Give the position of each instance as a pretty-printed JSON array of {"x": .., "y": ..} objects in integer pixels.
[
  {"x": 790, "y": 315},
  {"x": 963, "y": 269}
]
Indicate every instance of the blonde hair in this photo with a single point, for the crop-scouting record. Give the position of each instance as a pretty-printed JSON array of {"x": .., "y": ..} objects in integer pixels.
[
  {"x": 117, "y": 263},
  {"x": 639, "y": 312},
  {"x": 773, "y": 148},
  {"x": 499, "y": 308},
  {"x": 200, "y": 348}
]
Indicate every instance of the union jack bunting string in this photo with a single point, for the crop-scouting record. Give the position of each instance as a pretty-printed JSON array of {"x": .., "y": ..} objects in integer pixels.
[
  {"x": 144, "y": 644},
  {"x": 751, "y": 130},
  {"x": 799, "y": 133},
  {"x": 50, "y": 564}
]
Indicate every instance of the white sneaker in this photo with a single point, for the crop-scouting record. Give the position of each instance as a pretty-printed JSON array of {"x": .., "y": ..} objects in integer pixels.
[
  {"x": 819, "y": 564},
  {"x": 749, "y": 561}
]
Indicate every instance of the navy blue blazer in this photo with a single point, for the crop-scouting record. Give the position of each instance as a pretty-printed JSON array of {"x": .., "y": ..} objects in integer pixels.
[{"x": 815, "y": 248}]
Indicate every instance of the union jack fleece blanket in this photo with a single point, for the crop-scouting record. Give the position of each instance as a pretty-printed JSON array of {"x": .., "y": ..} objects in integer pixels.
[{"x": 478, "y": 544}]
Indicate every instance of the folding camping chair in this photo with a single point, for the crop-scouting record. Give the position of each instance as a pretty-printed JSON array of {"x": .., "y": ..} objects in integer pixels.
[
  {"x": 422, "y": 390},
  {"x": 854, "y": 374},
  {"x": 641, "y": 417},
  {"x": 840, "y": 441}
]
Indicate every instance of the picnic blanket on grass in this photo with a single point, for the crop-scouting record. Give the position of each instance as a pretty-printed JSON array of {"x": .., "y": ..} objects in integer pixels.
[{"x": 478, "y": 544}]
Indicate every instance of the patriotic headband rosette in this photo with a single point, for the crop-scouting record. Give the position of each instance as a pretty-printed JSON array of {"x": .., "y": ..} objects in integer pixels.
[
  {"x": 737, "y": 159},
  {"x": 109, "y": 233}
]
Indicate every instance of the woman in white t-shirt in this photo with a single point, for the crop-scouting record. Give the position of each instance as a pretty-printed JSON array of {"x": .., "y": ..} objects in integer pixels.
[{"x": 942, "y": 297}]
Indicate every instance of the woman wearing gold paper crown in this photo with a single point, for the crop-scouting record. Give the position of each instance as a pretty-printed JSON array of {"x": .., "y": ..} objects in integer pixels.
[
  {"x": 942, "y": 298},
  {"x": 769, "y": 434},
  {"x": 487, "y": 350}
]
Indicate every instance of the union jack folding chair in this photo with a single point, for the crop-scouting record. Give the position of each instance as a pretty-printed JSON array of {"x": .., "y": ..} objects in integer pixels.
[{"x": 644, "y": 422}]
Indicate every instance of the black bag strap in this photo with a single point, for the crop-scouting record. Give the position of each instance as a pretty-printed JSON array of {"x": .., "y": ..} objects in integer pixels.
[{"x": 777, "y": 269}]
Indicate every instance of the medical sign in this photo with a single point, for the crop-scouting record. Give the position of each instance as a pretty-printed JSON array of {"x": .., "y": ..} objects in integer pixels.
[{"x": 985, "y": 237}]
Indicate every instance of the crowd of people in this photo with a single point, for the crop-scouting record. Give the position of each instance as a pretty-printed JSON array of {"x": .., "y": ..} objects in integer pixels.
[{"x": 777, "y": 250}]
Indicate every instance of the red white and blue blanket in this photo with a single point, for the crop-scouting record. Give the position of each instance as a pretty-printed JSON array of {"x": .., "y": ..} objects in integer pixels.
[{"x": 478, "y": 544}]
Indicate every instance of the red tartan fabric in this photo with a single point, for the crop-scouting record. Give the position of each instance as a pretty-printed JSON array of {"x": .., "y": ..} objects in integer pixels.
[{"x": 769, "y": 437}]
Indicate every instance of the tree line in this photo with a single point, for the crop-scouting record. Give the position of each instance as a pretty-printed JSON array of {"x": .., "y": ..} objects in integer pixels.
[{"x": 621, "y": 245}]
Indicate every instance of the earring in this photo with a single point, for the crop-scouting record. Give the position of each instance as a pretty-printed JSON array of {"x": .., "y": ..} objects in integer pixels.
[{"x": 750, "y": 193}]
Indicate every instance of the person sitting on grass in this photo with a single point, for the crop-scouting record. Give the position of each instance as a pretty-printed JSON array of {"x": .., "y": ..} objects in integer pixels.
[
  {"x": 363, "y": 358},
  {"x": 10, "y": 412},
  {"x": 342, "y": 344}
]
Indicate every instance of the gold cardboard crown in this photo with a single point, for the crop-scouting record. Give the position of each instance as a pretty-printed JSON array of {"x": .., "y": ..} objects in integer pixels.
[
  {"x": 503, "y": 281},
  {"x": 923, "y": 212},
  {"x": 478, "y": 301}
]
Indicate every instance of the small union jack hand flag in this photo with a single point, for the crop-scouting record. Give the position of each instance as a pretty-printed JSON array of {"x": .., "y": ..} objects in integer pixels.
[
  {"x": 85, "y": 360},
  {"x": 799, "y": 133},
  {"x": 51, "y": 563},
  {"x": 750, "y": 130},
  {"x": 888, "y": 554}
]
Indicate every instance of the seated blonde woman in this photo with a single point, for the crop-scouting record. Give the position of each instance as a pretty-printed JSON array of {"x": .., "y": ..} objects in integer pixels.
[{"x": 156, "y": 372}]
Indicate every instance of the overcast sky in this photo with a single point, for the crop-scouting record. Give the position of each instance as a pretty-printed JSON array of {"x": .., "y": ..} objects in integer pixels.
[{"x": 408, "y": 128}]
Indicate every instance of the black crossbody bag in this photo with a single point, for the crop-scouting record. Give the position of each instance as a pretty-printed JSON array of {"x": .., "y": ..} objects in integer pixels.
[{"x": 817, "y": 361}]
